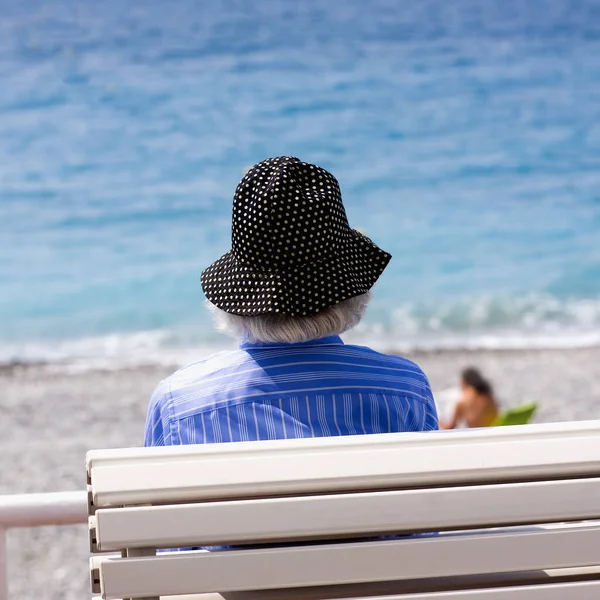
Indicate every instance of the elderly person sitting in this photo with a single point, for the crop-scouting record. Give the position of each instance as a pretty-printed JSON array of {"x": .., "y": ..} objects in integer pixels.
[{"x": 296, "y": 278}]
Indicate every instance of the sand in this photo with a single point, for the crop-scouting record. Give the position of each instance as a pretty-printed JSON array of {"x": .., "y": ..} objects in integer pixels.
[{"x": 50, "y": 419}]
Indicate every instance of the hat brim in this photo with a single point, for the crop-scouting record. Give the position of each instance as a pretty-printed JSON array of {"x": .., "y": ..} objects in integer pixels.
[{"x": 302, "y": 290}]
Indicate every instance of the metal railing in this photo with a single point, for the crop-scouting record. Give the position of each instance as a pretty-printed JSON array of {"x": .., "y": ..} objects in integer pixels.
[{"x": 37, "y": 510}]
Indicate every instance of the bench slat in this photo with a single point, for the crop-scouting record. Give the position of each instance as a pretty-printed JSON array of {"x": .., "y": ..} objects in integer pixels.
[
  {"x": 375, "y": 591},
  {"x": 580, "y": 590},
  {"x": 456, "y": 554},
  {"x": 288, "y": 519},
  {"x": 350, "y": 463},
  {"x": 576, "y": 590}
]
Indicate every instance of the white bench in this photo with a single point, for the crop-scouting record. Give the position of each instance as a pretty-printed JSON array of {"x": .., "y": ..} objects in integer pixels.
[{"x": 515, "y": 508}]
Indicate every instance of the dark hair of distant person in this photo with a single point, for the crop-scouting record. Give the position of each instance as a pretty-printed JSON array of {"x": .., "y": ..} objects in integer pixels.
[{"x": 473, "y": 378}]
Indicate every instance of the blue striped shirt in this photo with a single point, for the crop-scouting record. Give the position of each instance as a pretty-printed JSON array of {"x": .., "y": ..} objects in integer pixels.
[{"x": 277, "y": 391}]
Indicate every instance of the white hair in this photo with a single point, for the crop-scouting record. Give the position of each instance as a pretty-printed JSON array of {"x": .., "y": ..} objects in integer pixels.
[{"x": 281, "y": 328}]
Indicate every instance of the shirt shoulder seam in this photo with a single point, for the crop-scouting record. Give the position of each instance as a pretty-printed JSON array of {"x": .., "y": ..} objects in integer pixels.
[{"x": 175, "y": 438}]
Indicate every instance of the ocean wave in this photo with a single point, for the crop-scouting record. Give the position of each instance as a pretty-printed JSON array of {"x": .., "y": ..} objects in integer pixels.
[
  {"x": 531, "y": 313},
  {"x": 115, "y": 351},
  {"x": 494, "y": 322},
  {"x": 530, "y": 322}
]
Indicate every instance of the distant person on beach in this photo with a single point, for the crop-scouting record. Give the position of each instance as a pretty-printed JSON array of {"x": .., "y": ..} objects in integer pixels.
[
  {"x": 477, "y": 406},
  {"x": 296, "y": 278}
]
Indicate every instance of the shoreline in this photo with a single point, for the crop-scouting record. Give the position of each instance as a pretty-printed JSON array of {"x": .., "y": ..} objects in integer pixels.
[{"x": 76, "y": 365}]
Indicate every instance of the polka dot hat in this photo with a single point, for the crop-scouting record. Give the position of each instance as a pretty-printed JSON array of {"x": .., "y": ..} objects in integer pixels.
[{"x": 293, "y": 251}]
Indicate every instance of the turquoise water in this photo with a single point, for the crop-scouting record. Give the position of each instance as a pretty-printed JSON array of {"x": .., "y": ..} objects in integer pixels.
[{"x": 465, "y": 135}]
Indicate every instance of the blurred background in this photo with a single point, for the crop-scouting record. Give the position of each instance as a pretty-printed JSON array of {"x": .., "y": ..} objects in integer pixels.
[
  {"x": 465, "y": 135},
  {"x": 466, "y": 138}
]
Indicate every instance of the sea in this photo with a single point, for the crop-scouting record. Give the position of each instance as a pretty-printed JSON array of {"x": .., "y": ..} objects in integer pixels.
[{"x": 465, "y": 135}]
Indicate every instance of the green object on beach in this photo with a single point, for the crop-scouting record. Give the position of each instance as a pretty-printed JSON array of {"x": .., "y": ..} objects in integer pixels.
[{"x": 520, "y": 415}]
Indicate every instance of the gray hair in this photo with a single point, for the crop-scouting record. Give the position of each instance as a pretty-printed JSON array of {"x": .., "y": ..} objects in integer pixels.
[{"x": 281, "y": 328}]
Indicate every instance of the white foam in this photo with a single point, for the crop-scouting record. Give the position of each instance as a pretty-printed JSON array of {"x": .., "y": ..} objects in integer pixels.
[
  {"x": 532, "y": 321},
  {"x": 115, "y": 351},
  {"x": 148, "y": 348},
  {"x": 482, "y": 341},
  {"x": 495, "y": 323}
]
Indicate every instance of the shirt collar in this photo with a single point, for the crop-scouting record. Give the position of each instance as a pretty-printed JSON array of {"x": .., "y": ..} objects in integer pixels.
[{"x": 331, "y": 340}]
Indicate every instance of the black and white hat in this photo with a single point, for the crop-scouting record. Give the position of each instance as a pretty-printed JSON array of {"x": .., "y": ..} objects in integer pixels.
[{"x": 293, "y": 251}]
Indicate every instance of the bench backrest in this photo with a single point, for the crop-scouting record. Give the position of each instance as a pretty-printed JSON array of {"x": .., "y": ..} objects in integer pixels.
[{"x": 298, "y": 513}]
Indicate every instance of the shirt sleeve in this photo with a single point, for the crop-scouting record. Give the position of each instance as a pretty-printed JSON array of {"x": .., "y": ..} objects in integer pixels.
[
  {"x": 431, "y": 417},
  {"x": 157, "y": 417}
]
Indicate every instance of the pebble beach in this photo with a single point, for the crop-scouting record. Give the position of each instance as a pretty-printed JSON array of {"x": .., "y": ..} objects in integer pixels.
[{"x": 51, "y": 417}]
